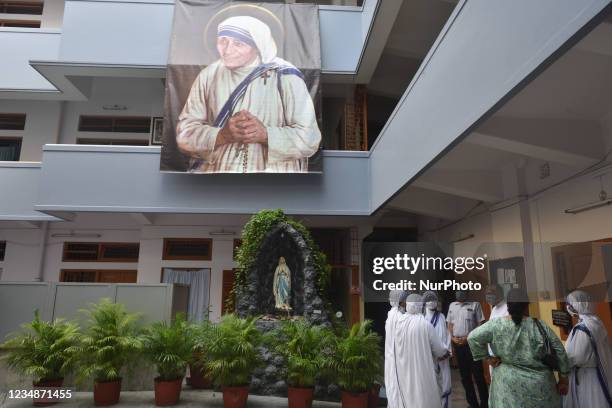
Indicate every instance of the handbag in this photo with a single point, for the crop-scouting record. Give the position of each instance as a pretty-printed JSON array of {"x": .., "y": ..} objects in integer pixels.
[{"x": 550, "y": 356}]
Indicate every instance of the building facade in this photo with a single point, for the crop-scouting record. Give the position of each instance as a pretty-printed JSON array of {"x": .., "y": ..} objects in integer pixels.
[{"x": 488, "y": 139}]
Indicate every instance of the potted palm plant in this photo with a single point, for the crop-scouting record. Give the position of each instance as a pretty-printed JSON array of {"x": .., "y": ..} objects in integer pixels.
[
  {"x": 305, "y": 348},
  {"x": 199, "y": 377},
  {"x": 45, "y": 351},
  {"x": 232, "y": 356},
  {"x": 168, "y": 346},
  {"x": 358, "y": 363},
  {"x": 110, "y": 342}
]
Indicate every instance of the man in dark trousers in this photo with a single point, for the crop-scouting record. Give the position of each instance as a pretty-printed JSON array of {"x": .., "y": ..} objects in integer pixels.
[{"x": 463, "y": 317}]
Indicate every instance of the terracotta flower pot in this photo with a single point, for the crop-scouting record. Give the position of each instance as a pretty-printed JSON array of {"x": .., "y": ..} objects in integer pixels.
[
  {"x": 107, "y": 393},
  {"x": 198, "y": 377},
  {"x": 300, "y": 397},
  {"x": 46, "y": 385},
  {"x": 235, "y": 397},
  {"x": 167, "y": 392},
  {"x": 373, "y": 396},
  {"x": 354, "y": 399}
]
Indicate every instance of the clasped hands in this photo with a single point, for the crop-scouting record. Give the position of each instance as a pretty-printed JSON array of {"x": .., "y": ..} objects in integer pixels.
[{"x": 243, "y": 127}]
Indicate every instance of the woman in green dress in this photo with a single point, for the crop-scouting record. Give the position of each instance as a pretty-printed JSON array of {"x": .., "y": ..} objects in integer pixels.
[{"x": 520, "y": 379}]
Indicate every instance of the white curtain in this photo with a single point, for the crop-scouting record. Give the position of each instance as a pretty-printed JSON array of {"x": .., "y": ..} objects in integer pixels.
[{"x": 199, "y": 282}]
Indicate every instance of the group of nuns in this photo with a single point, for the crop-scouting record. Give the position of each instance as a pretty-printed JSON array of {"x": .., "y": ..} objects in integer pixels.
[{"x": 418, "y": 347}]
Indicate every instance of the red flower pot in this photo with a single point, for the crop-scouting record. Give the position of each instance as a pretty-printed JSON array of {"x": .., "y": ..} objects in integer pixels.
[
  {"x": 44, "y": 385},
  {"x": 373, "y": 396},
  {"x": 107, "y": 393},
  {"x": 198, "y": 377},
  {"x": 300, "y": 397},
  {"x": 235, "y": 397},
  {"x": 354, "y": 399},
  {"x": 167, "y": 392}
]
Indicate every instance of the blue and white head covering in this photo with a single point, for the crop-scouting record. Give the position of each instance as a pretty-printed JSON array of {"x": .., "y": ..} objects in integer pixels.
[{"x": 252, "y": 32}]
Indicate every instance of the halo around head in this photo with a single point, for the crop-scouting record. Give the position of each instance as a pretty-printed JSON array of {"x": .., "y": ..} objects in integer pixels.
[{"x": 252, "y": 10}]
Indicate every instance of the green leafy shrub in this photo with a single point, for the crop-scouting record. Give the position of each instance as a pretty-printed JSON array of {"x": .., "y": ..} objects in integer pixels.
[
  {"x": 358, "y": 360},
  {"x": 43, "y": 350},
  {"x": 201, "y": 338},
  {"x": 305, "y": 348},
  {"x": 232, "y": 353},
  {"x": 169, "y": 347},
  {"x": 111, "y": 341}
]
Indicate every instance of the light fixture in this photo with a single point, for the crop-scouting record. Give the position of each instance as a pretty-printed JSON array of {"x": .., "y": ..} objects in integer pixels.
[
  {"x": 75, "y": 235},
  {"x": 222, "y": 232},
  {"x": 603, "y": 201},
  {"x": 114, "y": 107},
  {"x": 465, "y": 238}
]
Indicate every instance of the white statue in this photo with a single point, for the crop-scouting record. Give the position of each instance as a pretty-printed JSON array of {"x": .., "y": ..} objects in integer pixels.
[{"x": 282, "y": 285}]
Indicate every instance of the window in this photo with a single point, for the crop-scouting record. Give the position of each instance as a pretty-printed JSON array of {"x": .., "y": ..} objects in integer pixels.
[
  {"x": 113, "y": 142},
  {"x": 107, "y": 276},
  {"x": 19, "y": 7},
  {"x": 20, "y": 23},
  {"x": 126, "y": 124},
  {"x": 10, "y": 148},
  {"x": 12, "y": 121},
  {"x": 2, "y": 250},
  {"x": 189, "y": 249},
  {"x": 100, "y": 252}
]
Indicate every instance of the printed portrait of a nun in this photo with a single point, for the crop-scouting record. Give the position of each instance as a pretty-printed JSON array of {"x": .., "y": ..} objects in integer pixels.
[{"x": 249, "y": 111}]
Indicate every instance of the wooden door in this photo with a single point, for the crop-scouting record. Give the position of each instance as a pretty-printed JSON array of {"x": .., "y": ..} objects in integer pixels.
[{"x": 227, "y": 305}]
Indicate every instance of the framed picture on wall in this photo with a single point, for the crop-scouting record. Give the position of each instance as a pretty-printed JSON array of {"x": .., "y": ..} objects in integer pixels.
[{"x": 157, "y": 130}]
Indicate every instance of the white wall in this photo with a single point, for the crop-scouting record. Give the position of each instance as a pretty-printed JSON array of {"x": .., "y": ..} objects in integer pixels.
[
  {"x": 42, "y": 125},
  {"x": 141, "y": 96},
  {"x": 151, "y": 263},
  {"x": 20, "y": 45},
  {"x": 21, "y": 260}
]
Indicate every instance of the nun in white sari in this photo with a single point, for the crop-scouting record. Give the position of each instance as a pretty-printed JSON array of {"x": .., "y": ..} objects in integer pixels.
[
  {"x": 590, "y": 357},
  {"x": 249, "y": 111},
  {"x": 417, "y": 348},
  {"x": 397, "y": 299},
  {"x": 438, "y": 321}
]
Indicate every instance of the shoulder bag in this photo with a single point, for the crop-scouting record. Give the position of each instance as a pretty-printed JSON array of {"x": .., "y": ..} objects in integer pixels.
[{"x": 550, "y": 356}]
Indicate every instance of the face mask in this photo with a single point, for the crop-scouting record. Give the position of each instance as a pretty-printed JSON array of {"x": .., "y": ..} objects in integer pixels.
[
  {"x": 433, "y": 305},
  {"x": 571, "y": 310},
  {"x": 461, "y": 296},
  {"x": 402, "y": 309},
  {"x": 491, "y": 299}
]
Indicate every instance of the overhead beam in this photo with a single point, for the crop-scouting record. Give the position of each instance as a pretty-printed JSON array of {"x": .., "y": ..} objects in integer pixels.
[
  {"x": 384, "y": 19},
  {"x": 523, "y": 148},
  {"x": 598, "y": 40},
  {"x": 143, "y": 218},
  {"x": 424, "y": 202},
  {"x": 477, "y": 185}
]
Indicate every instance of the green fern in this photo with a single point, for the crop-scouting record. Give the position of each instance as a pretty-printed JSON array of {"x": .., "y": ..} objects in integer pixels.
[
  {"x": 358, "y": 361},
  {"x": 305, "y": 348},
  {"x": 111, "y": 341},
  {"x": 169, "y": 347},
  {"x": 43, "y": 350},
  {"x": 201, "y": 337},
  {"x": 232, "y": 352}
]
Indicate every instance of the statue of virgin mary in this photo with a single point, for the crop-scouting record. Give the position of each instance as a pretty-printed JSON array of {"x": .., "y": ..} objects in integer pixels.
[{"x": 282, "y": 285}]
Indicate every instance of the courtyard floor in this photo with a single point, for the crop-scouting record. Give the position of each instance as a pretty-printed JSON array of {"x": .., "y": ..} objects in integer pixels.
[{"x": 204, "y": 398}]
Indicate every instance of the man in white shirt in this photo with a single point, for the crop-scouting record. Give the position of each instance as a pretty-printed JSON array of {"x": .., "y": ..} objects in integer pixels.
[
  {"x": 499, "y": 308},
  {"x": 463, "y": 317}
]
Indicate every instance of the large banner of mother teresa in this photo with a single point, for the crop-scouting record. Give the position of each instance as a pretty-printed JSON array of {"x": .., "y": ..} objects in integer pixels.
[{"x": 243, "y": 89}]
